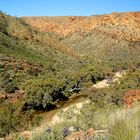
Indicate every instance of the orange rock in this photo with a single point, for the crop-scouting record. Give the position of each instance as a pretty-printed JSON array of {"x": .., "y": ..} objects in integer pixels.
[
  {"x": 2, "y": 96},
  {"x": 90, "y": 132},
  {"x": 131, "y": 97}
]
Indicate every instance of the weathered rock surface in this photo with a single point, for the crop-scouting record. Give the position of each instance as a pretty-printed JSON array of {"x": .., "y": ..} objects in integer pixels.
[
  {"x": 131, "y": 98},
  {"x": 119, "y": 25}
]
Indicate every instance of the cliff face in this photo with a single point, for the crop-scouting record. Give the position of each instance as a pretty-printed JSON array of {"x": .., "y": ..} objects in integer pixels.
[{"x": 120, "y": 25}]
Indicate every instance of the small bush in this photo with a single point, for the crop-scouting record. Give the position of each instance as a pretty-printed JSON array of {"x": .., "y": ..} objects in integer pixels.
[
  {"x": 12, "y": 119},
  {"x": 36, "y": 121},
  {"x": 56, "y": 134},
  {"x": 9, "y": 88}
]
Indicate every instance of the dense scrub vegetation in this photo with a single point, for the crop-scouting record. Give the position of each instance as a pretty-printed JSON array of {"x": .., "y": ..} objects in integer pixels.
[{"x": 104, "y": 112}]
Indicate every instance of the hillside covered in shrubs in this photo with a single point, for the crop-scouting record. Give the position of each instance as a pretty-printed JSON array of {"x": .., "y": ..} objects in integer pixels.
[{"x": 44, "y": 61}]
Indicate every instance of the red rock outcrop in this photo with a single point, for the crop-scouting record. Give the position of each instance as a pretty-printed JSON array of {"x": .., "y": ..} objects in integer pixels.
[{"x": 131, "y": 98}]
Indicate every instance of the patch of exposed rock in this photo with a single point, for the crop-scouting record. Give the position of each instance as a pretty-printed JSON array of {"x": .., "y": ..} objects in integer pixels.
[
  {"x": 106, "y": 82},
  {"x": 131, "y": 98},
  {"x": 57, "y": 118}
]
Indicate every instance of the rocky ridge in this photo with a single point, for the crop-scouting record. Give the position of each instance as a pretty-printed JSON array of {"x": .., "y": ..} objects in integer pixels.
[{"x": 119, "y": 25}]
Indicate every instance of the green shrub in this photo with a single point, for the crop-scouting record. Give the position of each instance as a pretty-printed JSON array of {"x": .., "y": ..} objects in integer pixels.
[
  {"x": 41, "y": 92},
  {"x": 9, "y": 88},
  {"x": 98, "y": 96},
  {"x": 36, "y": 121},
  {"x": 19, "y": 137},
  {"x": 5, "y": 84},
  {"x": 4, "y": 78},
  {"x": 12, "y": 119},
  {"x": 56, "y": 134}
]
